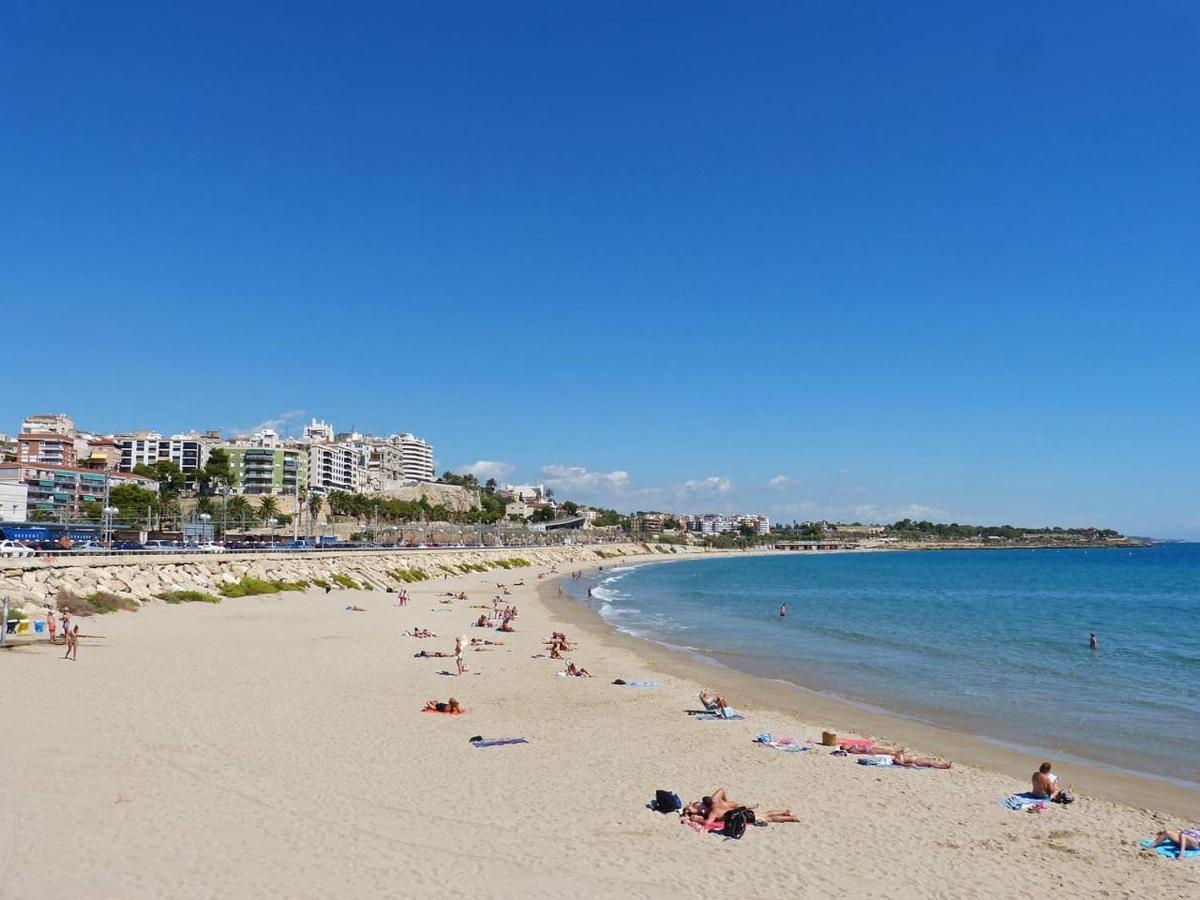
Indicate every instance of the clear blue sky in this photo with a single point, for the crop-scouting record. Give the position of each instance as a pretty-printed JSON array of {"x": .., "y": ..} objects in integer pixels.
[{"x": 818, "y": 261}]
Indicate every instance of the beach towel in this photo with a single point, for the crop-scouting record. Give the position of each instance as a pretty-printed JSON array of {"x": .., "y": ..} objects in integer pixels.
[
  {"x": 785, "y": 746},
  {"x": 498, "y": 742},
  {"x": 1024, "y": 801},
  {"x": 443, "y": 712},
  {"x": 641, "y": 684},
  {"x": 1170, "y": 850},
  {"x": 856, "y": 744},
  {"x": 716, "y": 717},
  {"x": 881, "y": 760},
  {"x": 700, "y": 827}
]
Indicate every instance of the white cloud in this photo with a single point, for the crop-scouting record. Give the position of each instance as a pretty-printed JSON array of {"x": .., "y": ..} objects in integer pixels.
[
  {"x": 713, "y": 484},
  {"x": 575, "y": 478},
  {"x": 781, "y": 482},
  {"x": 917, "y": 511},
  {"x": 275, "y": 424},
  {"x": 483, "y": 469}
]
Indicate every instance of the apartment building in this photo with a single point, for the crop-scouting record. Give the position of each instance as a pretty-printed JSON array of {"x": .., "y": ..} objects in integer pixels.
[
  {"x": 188, "y": 451},
  {"x": 335, "y": 467},
  {"x": 318, "y": 432},
  {"x": 14, "y": 502},
  {"x": 281, "y": 471},
  {"x": 62, "y": 491},
  {"x": 416, "y": 457},
  {"x": 46, "y": 447}
]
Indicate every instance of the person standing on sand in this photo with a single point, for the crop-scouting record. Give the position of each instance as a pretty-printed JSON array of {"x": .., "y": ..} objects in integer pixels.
[
  {"x": 459, "y": 643},
  {"x": 1092, "y": 641},
  {"x": 72, "y": 637},
  {"x": 51, "y": 624}
]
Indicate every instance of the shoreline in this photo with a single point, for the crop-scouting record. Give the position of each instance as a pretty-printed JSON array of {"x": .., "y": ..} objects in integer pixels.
[
  {"x": 811, "y": 707},
  {"x": 283, "y": 736}
]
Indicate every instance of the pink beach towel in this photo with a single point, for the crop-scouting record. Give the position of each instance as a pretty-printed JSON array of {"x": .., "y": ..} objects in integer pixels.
[
  {"x": 856, "y": 744},
  {"x": 700, "y": 827}
]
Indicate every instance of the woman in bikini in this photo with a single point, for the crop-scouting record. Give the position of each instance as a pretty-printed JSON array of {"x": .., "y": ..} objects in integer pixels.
[
  {"x": 451, "y": 706},
  {"x": 1185, "y": 839}
]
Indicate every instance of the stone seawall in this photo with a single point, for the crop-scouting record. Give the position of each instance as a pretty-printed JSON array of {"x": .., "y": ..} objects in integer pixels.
[{"x": 34, "y": 583}]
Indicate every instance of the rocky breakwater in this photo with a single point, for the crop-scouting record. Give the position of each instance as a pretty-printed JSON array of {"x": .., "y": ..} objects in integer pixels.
[{"x": 138, "y": 579}]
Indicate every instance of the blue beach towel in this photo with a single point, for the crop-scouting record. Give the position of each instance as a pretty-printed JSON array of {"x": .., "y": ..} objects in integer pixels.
[
  {"x": 498, "y": 742},
  {"x": 1171, "y": 850},
  {"x": 1023, "y": 801},
  {"x": 716, "y": 717},
  {"x": 641, "y": 684}
]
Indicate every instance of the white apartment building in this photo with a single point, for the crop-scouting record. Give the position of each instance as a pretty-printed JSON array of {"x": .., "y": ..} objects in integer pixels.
[
  {"x": 188, "y": 451},
  {"x": 48, "y": 423},
  {"x": 335, "y": 467},
  {"x": 318, "y": 432},
  {"x": 416, "y": 457},
  {"x": 525, "y": 491}
]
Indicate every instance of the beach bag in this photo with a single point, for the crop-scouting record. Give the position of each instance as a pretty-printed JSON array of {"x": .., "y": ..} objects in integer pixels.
[
  {"x": 1063, "y": 797},
  {"x": 667, "y": 802},
  {"x": 736, "y": 821}
]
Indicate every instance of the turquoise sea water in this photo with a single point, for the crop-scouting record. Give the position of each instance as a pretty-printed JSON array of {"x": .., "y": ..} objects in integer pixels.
[{"x": 990, "y": 642}]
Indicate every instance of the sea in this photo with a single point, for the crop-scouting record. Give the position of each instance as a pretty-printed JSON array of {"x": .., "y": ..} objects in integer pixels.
[{"x": 993, "y": 643}]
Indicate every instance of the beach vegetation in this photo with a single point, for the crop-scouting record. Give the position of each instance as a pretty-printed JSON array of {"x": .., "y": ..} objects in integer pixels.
[
  {"x": 176, "y": 597},
  {"x": 108, "y": 602},
  {"x": 318, "y": 582},
  {"x": 75, "y": 604},
  {"x": 346, "y": 581},
  {"x": 249, "y": 586}
]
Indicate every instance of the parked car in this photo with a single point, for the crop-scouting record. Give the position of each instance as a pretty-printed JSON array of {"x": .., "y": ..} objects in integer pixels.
[
  {"x": 207, "y": 548},
  {"x": 90, "y": 547},
  {"x": 161, "y": 545},
  {"x": 15, "y": 549},
  {"x": 127, "y": 545}
]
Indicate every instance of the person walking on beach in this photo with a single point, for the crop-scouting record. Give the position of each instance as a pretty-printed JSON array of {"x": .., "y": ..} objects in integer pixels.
[
  {"x": 459, "y": 643},
  {"x": 72, "y": 637},
  {"x": 51, "y": 624},
  {"x": 1092, "y": 641}
]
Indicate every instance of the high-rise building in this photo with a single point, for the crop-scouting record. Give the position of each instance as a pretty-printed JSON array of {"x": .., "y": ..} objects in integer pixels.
[{"x": 416, "y": 462}]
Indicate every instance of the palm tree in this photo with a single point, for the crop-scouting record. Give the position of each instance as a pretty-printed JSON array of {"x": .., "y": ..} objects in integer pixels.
[
  {"x": 238, "y": 508},
  {"x": 315, "y": 502},
  {"x": 268, "y": 508}
]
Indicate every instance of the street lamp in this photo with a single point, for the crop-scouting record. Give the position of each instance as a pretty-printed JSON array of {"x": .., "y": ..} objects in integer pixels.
[
  {"x": 205, "y": 518},
  {"x": 273, "y": 522},
  {"x": 106, "y": 537}
]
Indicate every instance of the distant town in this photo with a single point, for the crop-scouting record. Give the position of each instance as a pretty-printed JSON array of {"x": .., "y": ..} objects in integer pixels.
[{"x": 323, "y": 486}]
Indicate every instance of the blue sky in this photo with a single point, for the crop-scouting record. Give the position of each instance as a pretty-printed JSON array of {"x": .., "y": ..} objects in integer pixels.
[{"x": 852, "y": 261}]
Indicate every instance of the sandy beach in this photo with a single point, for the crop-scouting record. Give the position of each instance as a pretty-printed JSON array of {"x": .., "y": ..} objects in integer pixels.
[{"x": 274, "y": 746}]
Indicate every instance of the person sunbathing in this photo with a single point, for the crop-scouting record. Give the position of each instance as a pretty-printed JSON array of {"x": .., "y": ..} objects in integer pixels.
[
  {"x": 1185, "y": 839},
  {"x": 420, "y": 633},
  {"x": 432, "y": 654},
  {"x": 577, "y": 671},
  {"x": 1045, "y": 783},
  {"x": 481, "y": 622},
  {"x": 451, "y": 706},
  {"x": 899, "y": 757},
  {"x": 711, "y": 808},
  {"x": 506, "y": 626},
  {"x": 714, "y": 703},
  {"x": 477, "y": 642}
]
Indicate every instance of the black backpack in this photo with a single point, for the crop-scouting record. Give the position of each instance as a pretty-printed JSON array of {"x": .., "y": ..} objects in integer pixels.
[
  {"x": 666, "y": 802},
  {"x": 736, "y": 821}
]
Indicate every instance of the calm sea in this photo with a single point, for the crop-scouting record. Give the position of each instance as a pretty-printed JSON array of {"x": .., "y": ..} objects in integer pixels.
[{"x": 990, "y": 642}]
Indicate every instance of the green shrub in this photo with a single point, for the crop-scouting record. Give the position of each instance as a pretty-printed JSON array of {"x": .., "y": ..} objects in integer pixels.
[
  {"x": 107, "y": 602},
  {"x": 319, "y": 582},
  {"x": 250, "y": 586},
  {"x": 347, "y": 582},
  {"x": 290, "y": 585},
  {"x": 188, "y": 597}
]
